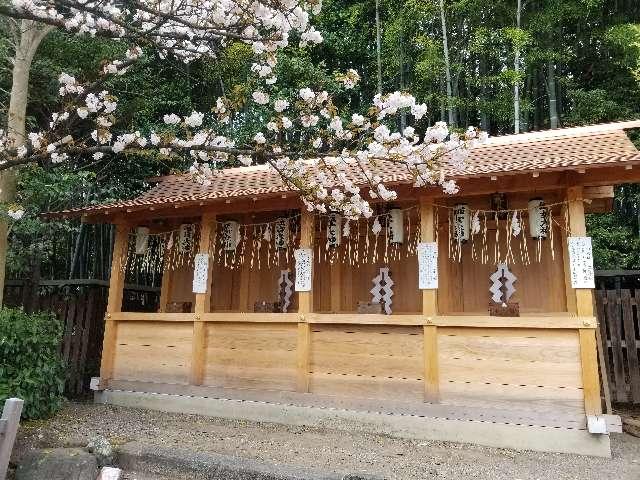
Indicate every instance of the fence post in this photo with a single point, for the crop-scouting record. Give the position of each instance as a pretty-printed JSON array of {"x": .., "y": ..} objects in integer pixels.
[{"x": 8, "y": 429}]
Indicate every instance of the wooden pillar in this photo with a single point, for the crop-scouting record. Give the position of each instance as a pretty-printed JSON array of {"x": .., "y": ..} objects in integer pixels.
[
  {"x": 114, "y": 302},
  {"x": 429, "y": 310},
  {"x": 583, "y": 308},
  {"x": 203, "y": 304},
  {"x": 305, "y": 306}
]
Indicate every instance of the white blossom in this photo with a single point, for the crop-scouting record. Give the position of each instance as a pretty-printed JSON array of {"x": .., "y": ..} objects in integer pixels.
[
  {"x": 171, "y": 119},
  {"x": 260, "y": 97},
  {"x": 280, "y": 105}
]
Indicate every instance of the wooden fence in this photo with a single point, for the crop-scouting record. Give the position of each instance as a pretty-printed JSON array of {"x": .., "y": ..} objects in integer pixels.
[
  {"x": 617, "y": 300},
  {"x": 81, "y": 305}
]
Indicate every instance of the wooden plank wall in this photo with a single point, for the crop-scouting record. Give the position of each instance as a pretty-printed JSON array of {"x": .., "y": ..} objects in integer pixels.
[
  {"x": 367, "y": 361},
  {"x": 522, "y": 369},
  {"x": 153, "y": 352},
  {"x": 464, "y": 285},
  {"x": 510, "y": 369},
  {"x": 251, "y": 355}
]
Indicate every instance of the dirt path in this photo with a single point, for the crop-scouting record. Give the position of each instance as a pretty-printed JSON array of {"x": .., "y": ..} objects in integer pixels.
[{"x": 331, "y": 450}]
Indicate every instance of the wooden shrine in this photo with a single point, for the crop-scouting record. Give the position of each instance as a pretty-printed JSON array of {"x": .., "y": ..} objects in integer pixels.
[{"x": 395, "y": 314}]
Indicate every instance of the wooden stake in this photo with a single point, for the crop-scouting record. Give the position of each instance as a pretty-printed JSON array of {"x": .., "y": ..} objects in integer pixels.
[{"x": 203, "y": 305}]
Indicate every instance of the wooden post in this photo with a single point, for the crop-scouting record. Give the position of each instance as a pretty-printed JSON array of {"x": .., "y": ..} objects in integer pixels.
[
  {"x": 305, "y": 306},
  {"x": 584, "y": 308},
  {"x": 429, "y": 310},
  {"x": 114, "y": 303},
  {"x": 203, "y": 305},
  {"x": 8, "y": 430}
]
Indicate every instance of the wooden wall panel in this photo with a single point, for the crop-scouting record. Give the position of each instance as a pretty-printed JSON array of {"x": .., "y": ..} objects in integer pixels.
[
  {"x": 464, "y": 285},
  {"x": 251, "y": 355},
  {"x": 367, "y": 361},
  {"x": 511, "y": 369},
  {"x": 182, "y": 285},
  {"x": 225, "y": 288},
  {"x": 153, "y": 352},
  {"x": 356, "y": 281},
  {"x": 262, "y": 270}
]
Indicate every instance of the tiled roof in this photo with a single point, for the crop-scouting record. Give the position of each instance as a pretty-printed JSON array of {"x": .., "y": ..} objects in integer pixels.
[{"x": 562, "y": 149}]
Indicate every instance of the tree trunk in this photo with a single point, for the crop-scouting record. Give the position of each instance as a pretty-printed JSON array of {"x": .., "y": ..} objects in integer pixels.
[
  {"x": 378, "y": 47},
  {"x": 403, "y": 113},
  {"x": 485, "y": 124},
  {"x": 28, "y": 39},
  {"x": 516, "y": 87},
  {"x": 554, "y": 121},
  {"x": 447, "y": 65}
]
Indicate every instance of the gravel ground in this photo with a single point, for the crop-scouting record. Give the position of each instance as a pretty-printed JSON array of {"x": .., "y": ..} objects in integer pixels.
[{"x": 331, "y": 450}]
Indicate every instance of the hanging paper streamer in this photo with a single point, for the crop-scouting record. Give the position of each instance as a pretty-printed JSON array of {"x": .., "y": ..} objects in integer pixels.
[
  {"x": 282, "y": 233},
  {"x": 382, "y": 290},
  {"x": 334, "y": 230},
  {"x": 230, "y": 233},
  {"x": 538, "y": 218},
  {"x": 427, "y": 265},
  {"x": 581, "y": 262},
  {"x": 142, "y": 240},
  {"x": 285, "y": 290},
  {"x": 303, "y": 257},
  {"x": 461, "y": 222},
  {"x": 396, "y": 225},
  {"x": 201, "y": 273},
  {"x": 185, "y": 237},
  {"x": 502, "y": 284}
]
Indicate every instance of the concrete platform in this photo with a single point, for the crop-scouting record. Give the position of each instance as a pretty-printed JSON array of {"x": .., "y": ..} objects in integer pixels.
[{"x": 420, "y": 427}]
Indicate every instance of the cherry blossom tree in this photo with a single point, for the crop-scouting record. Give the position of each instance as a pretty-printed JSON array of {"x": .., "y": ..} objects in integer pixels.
[{"x": 303, "y": 137}]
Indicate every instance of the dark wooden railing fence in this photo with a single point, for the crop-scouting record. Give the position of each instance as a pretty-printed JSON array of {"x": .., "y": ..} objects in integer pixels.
[
  {"x": 81, "y": 305},
  {"x": 617, "y": 303}
]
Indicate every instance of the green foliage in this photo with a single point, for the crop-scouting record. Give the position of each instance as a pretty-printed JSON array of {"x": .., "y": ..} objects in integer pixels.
[{"x": 30, "y": 363}]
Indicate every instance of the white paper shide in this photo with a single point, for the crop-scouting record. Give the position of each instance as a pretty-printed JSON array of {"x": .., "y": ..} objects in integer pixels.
[
  {"x": 427, "y": 265},
  {"x": 304, "y": 258},
  {"x": 200, "y": 272},
  {"x": 581, "y": 262}
]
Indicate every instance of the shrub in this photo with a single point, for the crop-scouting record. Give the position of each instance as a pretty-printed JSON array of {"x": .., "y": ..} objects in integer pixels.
[{"x": 31, "y": 367}]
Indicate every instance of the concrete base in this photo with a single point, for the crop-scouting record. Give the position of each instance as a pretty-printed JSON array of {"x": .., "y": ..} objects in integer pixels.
[{"x": 500, "y": 435}]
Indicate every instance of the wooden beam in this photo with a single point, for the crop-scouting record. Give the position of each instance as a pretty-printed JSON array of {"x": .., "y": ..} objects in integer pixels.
[
  {"x": 584, "y": 307},
  {"x": 305, "y": 307},
  {"x": 114, "y": 302},
  {"x": 203, "y": 304}
]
